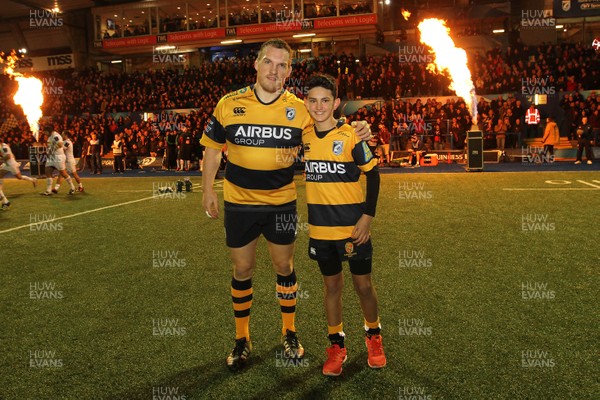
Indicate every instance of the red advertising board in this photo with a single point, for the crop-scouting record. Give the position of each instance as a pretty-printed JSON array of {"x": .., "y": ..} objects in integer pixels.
[
  {"x": 283, "y": 26},
  {"x": 195, "y": 35},
  {"x": 351, "y": 20},
  {"x": 245, "y": 30},
  {"x": 129, "y": 42}
]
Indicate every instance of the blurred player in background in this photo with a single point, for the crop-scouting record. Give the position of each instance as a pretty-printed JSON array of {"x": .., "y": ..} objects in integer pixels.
[
  {"x": 584, "y": 139},
  {"x": 339, "y": 219},
  {"x": 96, "y": 150},
  {"x": 184, "y": 149},
  {"x": 71, "y": 164},
  {"x": 9, "y": 164},
  {"x": 416, "y": 150},
  {"x": 259, "y": 123},
  {"x": 56, "y": 161}
]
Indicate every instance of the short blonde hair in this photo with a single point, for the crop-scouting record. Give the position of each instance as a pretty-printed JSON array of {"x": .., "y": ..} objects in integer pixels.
[{"x": 278, "y": 44}]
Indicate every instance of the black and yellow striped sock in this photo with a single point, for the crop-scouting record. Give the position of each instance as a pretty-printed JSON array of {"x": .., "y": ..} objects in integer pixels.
[
  {"x": 241, "y": 295},
  {"x": 287, "y": 288},
  {"x": 373, "y": 328},
  {"x": 336, "y": 334}
]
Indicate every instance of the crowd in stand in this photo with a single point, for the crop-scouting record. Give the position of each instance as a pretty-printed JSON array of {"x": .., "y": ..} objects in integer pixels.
[
  {"x": 88, "y": 97},
  {"x": 156, "y": 137},
  {"x": 242, "y": 16}
]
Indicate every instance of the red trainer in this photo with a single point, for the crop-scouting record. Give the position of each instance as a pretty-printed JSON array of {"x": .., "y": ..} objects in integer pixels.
[
  {"x": 376, "y": 357},
  {"x": 336, "y": 356}
]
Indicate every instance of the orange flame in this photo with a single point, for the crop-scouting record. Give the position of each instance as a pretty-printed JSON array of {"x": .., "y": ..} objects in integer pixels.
[
  {"x": 405, "y": 14},
  {"x": 29, "y": 95},
  {"x": 449, "y": 60}
]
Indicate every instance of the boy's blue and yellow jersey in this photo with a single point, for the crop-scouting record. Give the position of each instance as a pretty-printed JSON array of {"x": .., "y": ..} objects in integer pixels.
[
  {"x": 262, "y": 142},
  {"x": 333, "y": 191}
]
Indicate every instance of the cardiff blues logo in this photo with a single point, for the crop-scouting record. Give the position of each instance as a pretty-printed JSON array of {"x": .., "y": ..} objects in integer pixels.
[
  {"x": 338, "y": 146},
  {"x": 290, "y": 113}
]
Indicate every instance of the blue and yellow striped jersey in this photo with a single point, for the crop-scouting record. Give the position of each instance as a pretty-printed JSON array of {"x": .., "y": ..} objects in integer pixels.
[
  {"x": 262, "y": 142},
  {"x": 333, "y": 191}
]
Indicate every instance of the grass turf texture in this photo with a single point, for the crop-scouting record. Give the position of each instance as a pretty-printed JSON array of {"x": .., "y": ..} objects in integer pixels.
[{"x": 476, "y": 325}]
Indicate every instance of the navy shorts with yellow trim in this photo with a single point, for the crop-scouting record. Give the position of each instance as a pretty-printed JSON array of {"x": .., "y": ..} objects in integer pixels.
[
  {"x": 277, "y": 226},
  {"x": 343, "y": 250}
]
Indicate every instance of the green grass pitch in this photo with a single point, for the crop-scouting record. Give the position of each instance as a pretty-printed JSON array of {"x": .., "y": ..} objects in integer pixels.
[{"x": 487, "y": 284}]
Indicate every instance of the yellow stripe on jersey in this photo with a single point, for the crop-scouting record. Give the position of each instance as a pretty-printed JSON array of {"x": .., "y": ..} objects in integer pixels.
[
  {"x": 241, "y": 196},
  {"x": 268, "y": 159},
  {"x": 322, "y": 194},
  {"x": 208, "y": 142},
  {"x": 329, "y": 232},
  {"x": 262, "y": 141},
  {"x": 333, "y": 191}
]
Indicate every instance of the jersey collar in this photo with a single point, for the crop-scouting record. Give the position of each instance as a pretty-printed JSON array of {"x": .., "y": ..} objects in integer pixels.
[{"x": 259, "y": 99}]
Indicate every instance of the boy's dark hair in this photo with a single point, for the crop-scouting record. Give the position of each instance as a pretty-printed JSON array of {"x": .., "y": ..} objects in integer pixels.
[{"x": 322, "y": 80}]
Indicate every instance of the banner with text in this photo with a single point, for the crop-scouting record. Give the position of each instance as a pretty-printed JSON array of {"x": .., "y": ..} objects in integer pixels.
[
  {"x": 290, "y": 25},
  {"x": 61, "y": 61}
]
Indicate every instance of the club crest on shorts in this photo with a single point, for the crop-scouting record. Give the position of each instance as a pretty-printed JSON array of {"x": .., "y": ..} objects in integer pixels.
[
  {"x": 290, "y": 113},
  {"x": 338, "y": 146},
  {"x": 349, "y": 247}
]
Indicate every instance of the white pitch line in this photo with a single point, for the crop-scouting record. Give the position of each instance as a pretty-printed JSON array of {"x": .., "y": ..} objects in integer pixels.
[
  {"x": 134, "y": 191},
  {"x": 589, "y": 184},
  {"x": 524, "y": 189},
  {"x": 79, "y": 213},
  {"x": 196, "y": 185}
]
